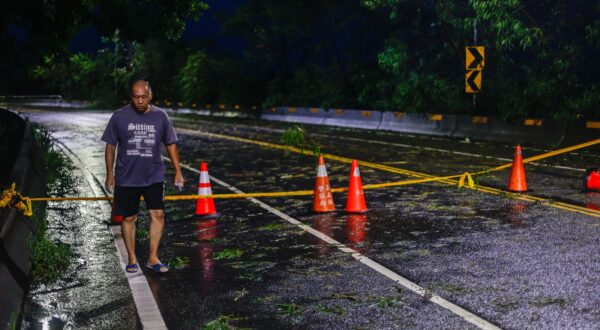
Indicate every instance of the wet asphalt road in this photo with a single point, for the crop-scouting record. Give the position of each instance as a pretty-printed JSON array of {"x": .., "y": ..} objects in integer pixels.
[{"x": 516, "y": 264}]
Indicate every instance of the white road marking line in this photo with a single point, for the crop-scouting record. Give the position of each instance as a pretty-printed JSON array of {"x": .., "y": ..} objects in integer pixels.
[
  {"x": 463, "y": 313},
  {"x": 145, "y": 303},
  {"x": 140, "y": 290}
]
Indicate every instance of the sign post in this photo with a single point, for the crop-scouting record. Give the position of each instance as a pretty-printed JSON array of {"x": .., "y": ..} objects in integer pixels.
[{"x": 474, "y": 63}]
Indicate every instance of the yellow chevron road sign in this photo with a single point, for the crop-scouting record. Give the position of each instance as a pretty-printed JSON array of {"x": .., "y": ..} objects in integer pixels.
[
  {"x": 475, "y": 57},
  {"x": 473, "y": 81}
]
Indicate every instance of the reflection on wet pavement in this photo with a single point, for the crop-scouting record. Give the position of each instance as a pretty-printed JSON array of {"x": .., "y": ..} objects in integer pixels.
[
  {"x": 593, "y": 200},
  {"x": 516, "y": 264},
  {"x": 92, "y": 293},
  {"x": 515, "y": 216}
]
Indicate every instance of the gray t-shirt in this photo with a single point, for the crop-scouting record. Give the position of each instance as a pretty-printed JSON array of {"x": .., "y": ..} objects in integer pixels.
[{"x": 139, "y": 139}]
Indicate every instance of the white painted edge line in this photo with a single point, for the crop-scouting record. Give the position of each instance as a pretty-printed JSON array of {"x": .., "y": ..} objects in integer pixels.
[
  {"x": 145, "y": 303},
  {"x": 140, "y": 290},
  {"x": 463, "y": 313}
]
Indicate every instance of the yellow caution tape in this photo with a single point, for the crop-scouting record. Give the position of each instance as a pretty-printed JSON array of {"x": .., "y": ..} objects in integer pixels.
[
  {"x": 427, "y": 177},
  {"x": 461, "y": 182},
  {"x": 423, "y": 178},
  {"x": 12, "y": 199}
]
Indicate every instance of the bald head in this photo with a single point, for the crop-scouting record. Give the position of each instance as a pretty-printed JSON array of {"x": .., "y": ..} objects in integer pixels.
[
  {"x": 141, "y": 95},
  {"x": 141, "y": 84}
]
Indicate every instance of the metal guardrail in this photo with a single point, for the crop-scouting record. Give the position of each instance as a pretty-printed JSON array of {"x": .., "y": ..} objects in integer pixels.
[
  {"x": 32, "y": 97},
  {"x": 528, "y": 130}
]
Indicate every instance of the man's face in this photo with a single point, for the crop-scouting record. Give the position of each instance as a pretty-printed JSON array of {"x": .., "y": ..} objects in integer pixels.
[{"x": 140, "y": 97}]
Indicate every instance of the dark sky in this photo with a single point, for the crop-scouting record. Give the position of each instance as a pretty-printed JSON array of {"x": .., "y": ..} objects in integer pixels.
[{"x": 207, "y": 27}]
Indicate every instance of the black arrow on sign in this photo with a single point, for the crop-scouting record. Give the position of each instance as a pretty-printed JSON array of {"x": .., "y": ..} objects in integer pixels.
[
  {"x": 477, "y": 58},
  {"x": 471, "y": 80}
]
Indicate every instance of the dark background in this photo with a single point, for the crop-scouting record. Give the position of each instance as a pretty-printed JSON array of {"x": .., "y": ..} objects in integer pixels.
[{"x": 400, "y": 55}]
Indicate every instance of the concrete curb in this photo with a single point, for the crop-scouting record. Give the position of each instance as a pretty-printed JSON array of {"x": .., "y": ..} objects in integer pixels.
[
  {"x": 16, "y": 229},
  {"x": 524, "y": 131}
]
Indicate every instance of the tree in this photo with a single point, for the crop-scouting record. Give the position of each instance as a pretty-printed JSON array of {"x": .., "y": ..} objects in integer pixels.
[
  {"x": 36, "y": 29},
  {"x": 538, "y": 57}
]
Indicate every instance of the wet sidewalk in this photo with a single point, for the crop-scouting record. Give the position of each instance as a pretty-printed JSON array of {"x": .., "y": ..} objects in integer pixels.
[{"x": 93, "y": 292}]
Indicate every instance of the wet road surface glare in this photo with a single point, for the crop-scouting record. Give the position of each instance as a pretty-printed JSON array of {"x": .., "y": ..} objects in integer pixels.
[{"x": 515, "y": 264}]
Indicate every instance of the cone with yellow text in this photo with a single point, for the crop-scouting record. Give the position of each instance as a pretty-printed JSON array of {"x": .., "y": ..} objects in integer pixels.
[{"x": 323, "y": 200}]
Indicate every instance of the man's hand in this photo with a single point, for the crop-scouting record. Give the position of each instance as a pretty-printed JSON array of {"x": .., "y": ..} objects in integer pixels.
[
  {"x": 109, "y": 158},
  {"x": 178, "y": 181},
  {"x": 109, "y": 184}
]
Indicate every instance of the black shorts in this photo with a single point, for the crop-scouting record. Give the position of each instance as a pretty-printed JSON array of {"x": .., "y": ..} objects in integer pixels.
[{"x": 127, "y": 199}]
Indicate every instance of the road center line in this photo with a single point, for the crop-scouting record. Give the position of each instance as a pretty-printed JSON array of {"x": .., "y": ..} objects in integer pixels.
[{"x": 463, "y": 313}]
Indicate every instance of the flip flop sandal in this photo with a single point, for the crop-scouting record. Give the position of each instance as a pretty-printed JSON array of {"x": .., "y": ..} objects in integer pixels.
[
  {"x": 159, "y": 268},
  {"x": 132, "y": 268}
]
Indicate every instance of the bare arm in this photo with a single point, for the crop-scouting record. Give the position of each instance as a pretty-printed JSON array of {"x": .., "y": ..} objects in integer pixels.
[
  {"x": 174, "y": 156},
  {"x": 109, "y": 159}
]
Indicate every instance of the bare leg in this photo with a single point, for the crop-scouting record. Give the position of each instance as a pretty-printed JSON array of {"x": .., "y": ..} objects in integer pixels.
[
  {"x": 128, "y": 231},
  {"x": 157, "y": 226}
]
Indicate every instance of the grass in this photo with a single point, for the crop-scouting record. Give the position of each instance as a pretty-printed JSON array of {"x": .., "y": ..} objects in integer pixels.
[
  {"x": 49, "y": 259},
  {"x": 331, "y": 309},
  {"x": 142, "y": 233},
  {"x": 272, "y": 226},
  {"x": 543, "y": 302},
  {"x": 179, "y": 262},
  {"x": 385, "y": 302},
  {"x": 56, "y": 165},
  {"x": 228, "y": 254},
  {"x": 220, "y": 323},
  {"x": 289, "y": 309},
  {"x": 14, "y": 318}
]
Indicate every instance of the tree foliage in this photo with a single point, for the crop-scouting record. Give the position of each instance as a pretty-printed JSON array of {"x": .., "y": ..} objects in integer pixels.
[{"x": 398, "y": 55}]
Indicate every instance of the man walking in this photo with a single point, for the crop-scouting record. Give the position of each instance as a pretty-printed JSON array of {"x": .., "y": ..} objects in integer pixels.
[{"x": 136, "y": 132}]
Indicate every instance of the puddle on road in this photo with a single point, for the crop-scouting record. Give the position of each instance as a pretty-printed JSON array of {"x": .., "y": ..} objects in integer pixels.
[{"x": 593, "y": 200}]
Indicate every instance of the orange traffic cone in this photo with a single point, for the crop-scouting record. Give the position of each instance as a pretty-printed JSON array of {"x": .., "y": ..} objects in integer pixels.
[
  {"x": 115, "y": 219},
  {"x": 205, "y": 207},
  {"x": 517, "y": 182},
  {"x": 323, "y": 200},
  {"x": 356, "y": 197},
  {"x": 591, "y": 180}
]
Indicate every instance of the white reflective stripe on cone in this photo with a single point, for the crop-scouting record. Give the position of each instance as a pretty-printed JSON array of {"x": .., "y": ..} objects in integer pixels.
[
  {"x": 321, "y": 171},
  {"x": 356, "y": 172},
  {"x": 204, "y": 177},
  {"x": 204, "y": 191}
]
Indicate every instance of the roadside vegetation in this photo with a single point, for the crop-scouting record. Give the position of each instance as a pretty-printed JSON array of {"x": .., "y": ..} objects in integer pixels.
[
  {"x": 391, "y": 55},
  {"x": 49, "y": 258}
]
